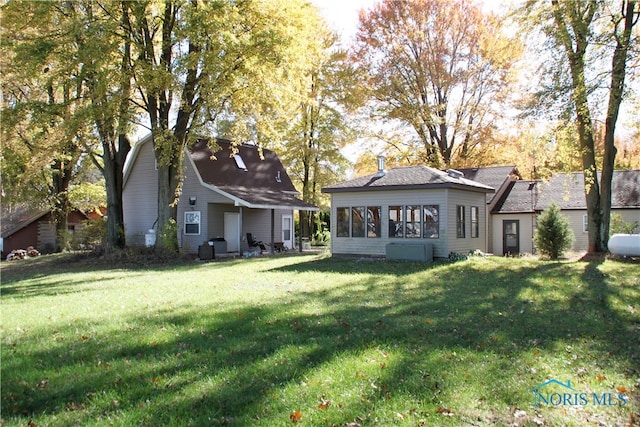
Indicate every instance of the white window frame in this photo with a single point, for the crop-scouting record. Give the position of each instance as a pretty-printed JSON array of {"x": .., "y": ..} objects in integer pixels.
[
  {"x": 585, "y": 223},
  {"x": 191, "y": 218}
]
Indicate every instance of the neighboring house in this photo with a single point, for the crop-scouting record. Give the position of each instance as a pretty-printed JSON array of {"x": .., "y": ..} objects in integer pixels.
[
  {"x": 225, "y": 195},
  {"x": 28, "y": 227},
  {"x": 514, "y": 217},
  {"x": 408, "y": 204}
]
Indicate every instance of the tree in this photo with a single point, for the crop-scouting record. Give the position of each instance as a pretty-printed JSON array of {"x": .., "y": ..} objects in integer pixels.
[
  {"x": 85, "y": 46},
  {"x": 439, "y": 66},
  {"x": 44, "y": 122},
  {"x": 553, "y": 235},
  {"x": 589, "y": 34},
  {"x": 200, "y": 61},
  {"x": 318, "y": 128}
]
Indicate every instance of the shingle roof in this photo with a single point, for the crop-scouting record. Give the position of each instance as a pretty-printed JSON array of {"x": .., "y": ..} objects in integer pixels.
[
  {"x": 12, "y": 222},
  {"x": 520, "y": 196},
  {"x": 493, "y": 176},
  {"x": 263, "y": 184},
  {"x": 567, "y": 190},
  {"x": 403, "y": 178}
]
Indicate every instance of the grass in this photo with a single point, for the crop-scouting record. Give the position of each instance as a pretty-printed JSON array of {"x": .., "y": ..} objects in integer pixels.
[{"x": 316, "y": 341}]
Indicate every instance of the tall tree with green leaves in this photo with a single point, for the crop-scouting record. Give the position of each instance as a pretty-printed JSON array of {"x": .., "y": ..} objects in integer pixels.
[
  {"x": 199, "y": 61},
  {"x": 90, "y": 42},
  {"x": 595, "y": 41},
  {"x": 319, "y": 128},
  {"x": 45, "y": 112},
  {"x": 440, "y": 66}
]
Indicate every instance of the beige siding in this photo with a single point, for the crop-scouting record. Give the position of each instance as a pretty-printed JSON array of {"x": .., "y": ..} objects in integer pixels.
[
  {"x": 46, "y": 237},
  {"x": 140, "y": 196},
  {"x": 466, "y": 199},
  {"x": 258, "y": 223},
  {"x": 526, "y": 230},
  {"x": 384, "y": 199},
  {"x": 581, "y": 237}
]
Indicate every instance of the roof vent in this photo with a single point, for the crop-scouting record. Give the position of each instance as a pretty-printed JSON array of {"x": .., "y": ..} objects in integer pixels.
[
  {"x": 381, "y": 171},
  {"x": 454, "y": 173},
  {"x": 278, "y": 178}
]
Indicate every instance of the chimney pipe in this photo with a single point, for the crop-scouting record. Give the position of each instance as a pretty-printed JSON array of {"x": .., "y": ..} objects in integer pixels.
[{"x": 381, "y": 171}]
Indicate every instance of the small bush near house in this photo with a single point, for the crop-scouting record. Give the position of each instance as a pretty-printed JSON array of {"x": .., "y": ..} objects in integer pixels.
[
  {"x": 619, "y": 226},
  {"x": 553, "y": 236},
  {"x": 93, "y": 234}
]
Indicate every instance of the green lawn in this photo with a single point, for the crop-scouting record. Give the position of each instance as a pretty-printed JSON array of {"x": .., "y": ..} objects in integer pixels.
[{"x": 317, "y": 341}]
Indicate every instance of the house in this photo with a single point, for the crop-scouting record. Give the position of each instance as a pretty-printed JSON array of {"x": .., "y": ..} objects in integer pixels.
[
  {"x": 515, "y": 214},
  {"x": 226, "y": 193},
  {"x": 408, "y": 204},
  {"x": 26, "y": 227}
]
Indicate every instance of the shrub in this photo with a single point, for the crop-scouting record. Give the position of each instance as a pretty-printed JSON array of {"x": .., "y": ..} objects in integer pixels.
[
  {"x": 553, "y": 236},
  {"x": 619, "y": 226}
]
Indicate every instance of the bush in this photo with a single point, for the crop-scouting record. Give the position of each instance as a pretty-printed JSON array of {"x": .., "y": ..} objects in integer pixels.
[
  {"x": 553, "y": 236},
  {"x": 619, "y": 226}
]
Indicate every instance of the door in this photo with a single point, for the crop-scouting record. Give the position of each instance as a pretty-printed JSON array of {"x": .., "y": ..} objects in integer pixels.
[
  {"x": 510, "y": 236},
  {"x": 232, "y": 231},
  {"x": 287, "y": 231}
]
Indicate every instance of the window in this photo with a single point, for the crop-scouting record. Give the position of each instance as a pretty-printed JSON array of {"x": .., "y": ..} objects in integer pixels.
[
  {"x": 585, "y": 223},
  {"x": 431, "y": 229},
  {"x": 396, "y": 226},
  {"x": 192, "y": 222},
  {"x": 357, "y": 222},
  {"x": 460, "y": 222},
  {"x": 475, "y": 228},
  {"x": 239, "y": 162},
  {"x": 412, "y": 223},
  {"x": 373, "y": 221},
  {"x": 343, "y": 222}
]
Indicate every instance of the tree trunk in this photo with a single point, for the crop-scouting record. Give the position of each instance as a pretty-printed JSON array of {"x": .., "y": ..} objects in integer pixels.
[
  {"x": 113, "y": 171},
  {"x": 618, "y": 73}
]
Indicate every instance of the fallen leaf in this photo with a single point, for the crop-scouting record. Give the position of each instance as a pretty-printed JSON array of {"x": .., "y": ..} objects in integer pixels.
[
  {"x": 444, "y": 411},
  {"x": 32, "y": 424},
  {"x": 324, "y": 403},
  {"x": 601, "y": 377},
  {"x": 622, "y": 389},
  {"x": 295, "y": 416}
]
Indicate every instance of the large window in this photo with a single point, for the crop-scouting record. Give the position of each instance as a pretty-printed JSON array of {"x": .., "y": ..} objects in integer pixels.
[
  {"x": 342, "y": 222},
  {"x": 460, "y": 222},
  {"x": 413, "y": 222},
  {"x": 475, "y": 227},
  {"x": 431, "y": 228},
  {"x": 192, "y": 222},
  {"x": 373, "y": 221},
  {"x": 396, "y": 221},
  {"x": 357, "y": 222}
]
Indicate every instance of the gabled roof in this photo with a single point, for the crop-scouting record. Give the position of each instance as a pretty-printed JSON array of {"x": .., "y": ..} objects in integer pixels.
[
  {"x": 567, "y": 190},
  {"x": 261, "y": 182},
  {"x": 492, "y": 176},
  {"x": 519, "y": 197},
  {"x": 406, "y": 178},
  {"x": 251, "y": 176}
]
